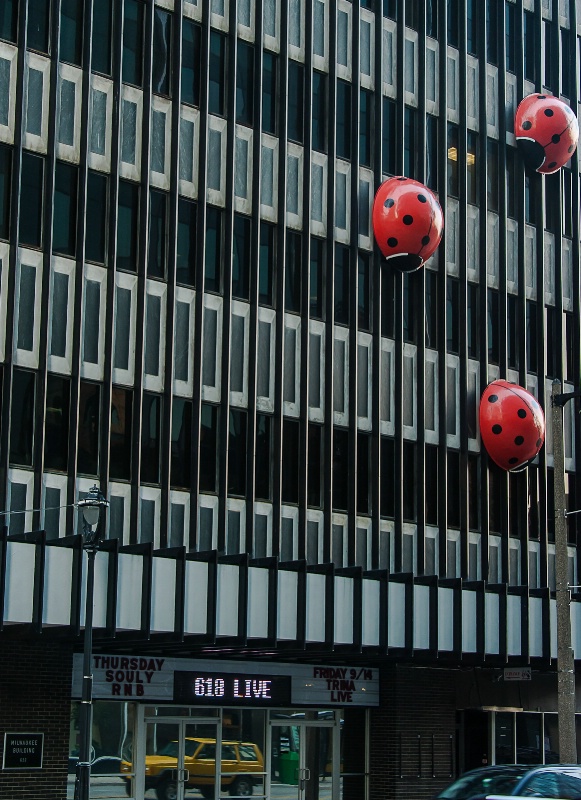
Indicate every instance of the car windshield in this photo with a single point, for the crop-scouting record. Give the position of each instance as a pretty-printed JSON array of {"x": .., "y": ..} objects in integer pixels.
[{"x": 482, "y": 783}]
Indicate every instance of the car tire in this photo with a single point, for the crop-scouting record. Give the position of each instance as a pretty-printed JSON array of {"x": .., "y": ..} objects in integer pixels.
[
  {"x": 207, "y": 792},
  {"x": 166, "y": 789},
  {"x": 242, "y": 787}
]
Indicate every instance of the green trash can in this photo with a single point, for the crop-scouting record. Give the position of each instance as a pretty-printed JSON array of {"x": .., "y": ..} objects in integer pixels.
[{"x": 288, "y": 764}]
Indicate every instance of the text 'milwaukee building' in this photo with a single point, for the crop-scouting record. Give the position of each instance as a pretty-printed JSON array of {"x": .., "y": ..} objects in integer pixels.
[{"x": 310, "y": 561}]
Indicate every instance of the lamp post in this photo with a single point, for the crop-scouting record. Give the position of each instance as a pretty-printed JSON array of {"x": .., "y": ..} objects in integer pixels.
[
  {"x": 91, "y": 507},
  {"x": 565, "y": 662}
]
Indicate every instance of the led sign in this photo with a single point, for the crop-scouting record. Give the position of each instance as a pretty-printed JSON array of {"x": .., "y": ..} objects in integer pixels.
[{"x": 230, "y": 688}]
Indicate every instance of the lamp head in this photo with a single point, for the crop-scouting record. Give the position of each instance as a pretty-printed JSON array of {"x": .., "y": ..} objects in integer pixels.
[{"x": 91, "y": 506}]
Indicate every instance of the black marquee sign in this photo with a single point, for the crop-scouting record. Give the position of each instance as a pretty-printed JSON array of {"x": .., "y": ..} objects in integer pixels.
[{"x": 229, "y": 688}]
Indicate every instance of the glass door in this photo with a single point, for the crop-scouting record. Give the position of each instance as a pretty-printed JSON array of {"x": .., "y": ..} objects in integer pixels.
[{"x": 301, "y": 759}]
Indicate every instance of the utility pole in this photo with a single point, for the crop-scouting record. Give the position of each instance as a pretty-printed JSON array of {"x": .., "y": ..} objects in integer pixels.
[{"x": 565, "y": 662}]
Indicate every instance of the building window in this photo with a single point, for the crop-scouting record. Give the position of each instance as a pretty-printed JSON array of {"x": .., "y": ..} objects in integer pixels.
[
  {"x": 452, "y": 316},
  {"x": 340, "y": 469},
  {"x": 64, "y": 227},
  {"x": 56, "y": 425},
  {"x": 363, "y": 473},
  {"x": 408, "y": 479},
  {"x": 209, "y": 442},
  {"x": 38, "y": 25},
  {"x": 296, "y": 104},
  {"x": 453, "y": 23},
  {"x": 387, "y": 484},
  {"x": 315, "y": 466},
  {"x": 432, "y": 309},
  {"x": 97, "y": 217},
  {"x": 127, "y": 225},
  {"x": 89, "y": 429},
  {"x": 343, "y": 119},
  {"x": 157, "y": 246},
  {"x": 186, "y": 244},
  {"x": 237, "y": 452},
  {"x": 570, "y": 348},
  {"x": 453, "y": 182},
  {"x": 431, "y": 492},
  {"x": 552, "y": 209},
  {"x": 290, "y": 461},
  {"x": 492, "y": 31},
  {"x": 511, "y": 182},
  {"x": 101, "y": 38},
  {"x": 472, "y": 20},
  {"x": 388, "y": 143},
  {"x": 293, "y": 272},
  {"x": 213, "y": 250},
  {"x": 472, "y": 167},
  {"x": 241, "y": 257},
  {"x": 493, "y": 327},
  {"x": 71, "y": 32},
  {"x": 454, "y": 488},
  {"x": 567, "y": 178},
  {"x": 316, "y": 283},
  {"x": 269, "y": 92},
  {"x": 162, "y": 52},
  {"x": 263, "y": 458},
  {"x": 365, "y": 127},
  {"x": 472, "y": 317},
  {"x": 217, "y": 74},
  {"x": 181, "y": 442},
  {"x": 364, "y": 292},
  {"x": 532, "y": 343},
  {"x": 388, "y": 304},
  {"x": 150, "y": 438},
  {"x": 473, "y": 492},
  {"x": 320, "y": 111},
  {"x": 31, "y": 200},
  {"x": 530, "y": 200},
  {"x": 432, "y": 152},
  {"x": 9, "y": 20},
  {"x": 510, "y": 34},
  {"x": 133, "y": 17},
  {"x": 411, "y": 287},
  {"x": 565, "y": 62},
  {"x": 411, "y": 150},
  {"x": 552, "y": 339},
  {"x": 5, "y": 190},
  {"x": 341, "y": 284},
  {"x": 245, "y": 84},
  {"x": 22, "y": 418},
  {"x": 266, "y": 267},
  {"x": 120, "y": 434},
  {"x": 191, "y": 63},
  {"x": 492, "y": 194}
]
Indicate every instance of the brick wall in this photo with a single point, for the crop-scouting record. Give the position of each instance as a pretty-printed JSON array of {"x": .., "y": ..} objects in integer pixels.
[
  {"x": 413, "y": 733},
  {"x": 35, "y": 692}
]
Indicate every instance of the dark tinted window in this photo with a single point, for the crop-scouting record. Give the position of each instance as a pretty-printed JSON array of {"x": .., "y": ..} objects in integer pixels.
[
  {"x": 89, "y": 429},
  {"x": 157, "y": 255},
  {"x": 208, "y": 448},
  {"x": 245, "y": 84},
  {"x": 64, "y": 227},
  {"x": 237, "y": 452},
  {"x": 341, "y": 284},
  {"x": 133, "y": 42},
  {"x": 217, "y": 86},
  {"x": 9, "y": 19},
  {"x": 162, "y": 44},
  {"x": 213, "y": 269},
  {"x": 316, "y": 278},
  {"x": 296, "y": 102},
  {"x": 56, "y": 425},
  {"x": 343, "y": 116},
  {"x": 241, "y": 257},
  {"x": 38, "y": 25},
  {"x": 540, "y": 784},
  {"x": 263, "y": 477},
  {"x": 150, "y": 438},
  {"x": 22, "y": 418},
  {"x": 71, "y": 31},
  {"x": 266, "y": 263},
  {"x": 31, "y": 197},
  {"x": 127, "y": 222},
  {"x": 186, "y": 249},
  {"x": 96, "y": 235},
  {"x": 292, "y": 295},
  {"x": 101, "y": 37},
  {"x": 5, "y": 187},
  {"x": 121, "y": 425},
  {"x": 181, "y": 442},
  {"x": 290, "y": 461},
  {"x": 191, "y": 56},
  {"x": 319, "y": 135},
  {"x": 269, "y": 77}
]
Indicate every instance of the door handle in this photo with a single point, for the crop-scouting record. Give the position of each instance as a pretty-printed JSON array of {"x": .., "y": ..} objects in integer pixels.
[{"x": 183, "y": 775}]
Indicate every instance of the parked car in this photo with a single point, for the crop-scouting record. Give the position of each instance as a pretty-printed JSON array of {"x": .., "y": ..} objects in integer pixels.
[
  {"x": 244, "y": 759},
  {"x": 517, "y": 780}
]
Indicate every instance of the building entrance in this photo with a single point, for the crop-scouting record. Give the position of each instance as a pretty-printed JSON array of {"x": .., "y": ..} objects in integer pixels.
[{"x": 303, "y": 765}]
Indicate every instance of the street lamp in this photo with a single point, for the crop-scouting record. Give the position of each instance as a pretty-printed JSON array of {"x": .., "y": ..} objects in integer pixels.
[
  {"x": 565, "y": 661},
  {"x": 91, "y": 507}
]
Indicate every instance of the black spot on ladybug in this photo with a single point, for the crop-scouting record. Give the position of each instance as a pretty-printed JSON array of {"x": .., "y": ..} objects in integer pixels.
[
  {"x": 539, "y": 442},
  {"x": 392, "y": 241},
  {"x": 497, "y": 429},
  {"x": 493, "y": 398},
  {"x": 422, "y": 198},
  {"x": 389, "y": 202},
  {"x": 425, "y": 240},
  {"x": 402, "y": 179},
  {"x": 519, "y": 440},
  {"x": 555, "y": 138},
  {"x": 542, "y": 97},
  {"x": 549, "y": 112},
  {"x": 513, "y": 460},
  {"x": 527, "y": 125},
  {"x": 408, "y": 219},
  {"x": 552, "y": 165},
  {"x": 522, "y": 413}
]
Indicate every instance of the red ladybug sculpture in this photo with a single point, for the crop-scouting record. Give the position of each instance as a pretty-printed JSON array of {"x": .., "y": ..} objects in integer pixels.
[
  {"x": 407, "y": 222},
  {"x": 546, "y": 132},
  {"x": 512, "y": 424}
]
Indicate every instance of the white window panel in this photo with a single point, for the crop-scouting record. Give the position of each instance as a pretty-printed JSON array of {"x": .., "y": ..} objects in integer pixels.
[
  {"x": 452, "y": 400},
  {"x": 36, "y": 90},
  {"x": 189, "y": 146},
  {"x": 169, "y": 4},
  {"x": 160, "y": 142},
  {"x": 192, "y": 9},
  {"x": 235, "y": 526},
  {"x": 386, "y": 548},
  {"x": 511, "y": 256},
  {"x": 69, "y": 93},
  {"x": 54, "y": 497},
  {"x": 494, "y": 559},
  {"x": 569, "y": 416},
  {"x": 292, "y": 365},
  {"x": 271, "y": 24},
  {"x": 118, "y": 516},
  {"x": 514, "y": 562},
  {"x": 512, "y": 100},
  {"x": 453, "y": 235},
  {"x": 472, "y": 92},
  {"x": 154, "y": 336},
  {"x": 363, "y": 542},
  {"x": 473, "y": 401},
  {"x": 269, "y": 178},
  {"x": 294, "y": 186},
  {"x": 474, "y": 556},
  {"x": 184, "y": 317},
  {"x": 314, "y": 544},
  {"x": 4, "y": 260},
  {"x": 265, "y": 360},
  {"x": 341, "y": 376},
  {"x": 243, "y": 169},
  {"x": 431, "y": 551},
  {"x": 296, "y": 29},
  {"x": 453, "y": 85},
  {"x": 316, "y": 396},
  {"x": 93, "y": 340},
  {"x": 100, "y": 116},
  {"x": 212, "y": 348},
  {"x": 534, "y": 565},
  {"x": 130, "y": 133},
  {"x": 548, "y": 418},
  {"x": 342, "y": 201},
  {"x": 344, "y": 38},
  {"x": 148, "y": 523},
  {"x": 321, "y": 35},
  {"x": 409, "y": 555},
  {"x": 492, "y": 101},
  {"x": 124, "y": 328},
  {"x": 364, "y": 370},
  {"x": 431, "y": 394},
  {"x": 567, "y": 274},
  {"x": 339, "y": 540},
  {"x": 216, "y": 164},
  {"x": 410, "y": 400},
  {"x": 452, "y": 554},
  {"x": 245, "y": 18},
  {"x": 27, "y": 309},
  {"x": 432, "y": 76},
  {"x": 389, "y": 57},
  {"x": 179, "y": 519},
  {"x": 219, "y": 14},
  {"x": 318, "y": 193},
  {"x": 473, "y": 240},
  {"x": 8, "y": 57},
  {"x": 239, "y": 338},
  {"x": 289, "y": 525},
  {"x": 207, "y": 522},
  {"x": 20, "y": 489},
  {"x": 531, "y": 262},
  {"x": 386, "y": 387},
  {"x": 549, "y": 259},
  {"x": 367, "y": 48},
  {"x": 411, "y": 67},
  {"x": 61, "y": 304},
  {"x": 262, "y": 537},
  {"x": 366, "y": 192}
]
